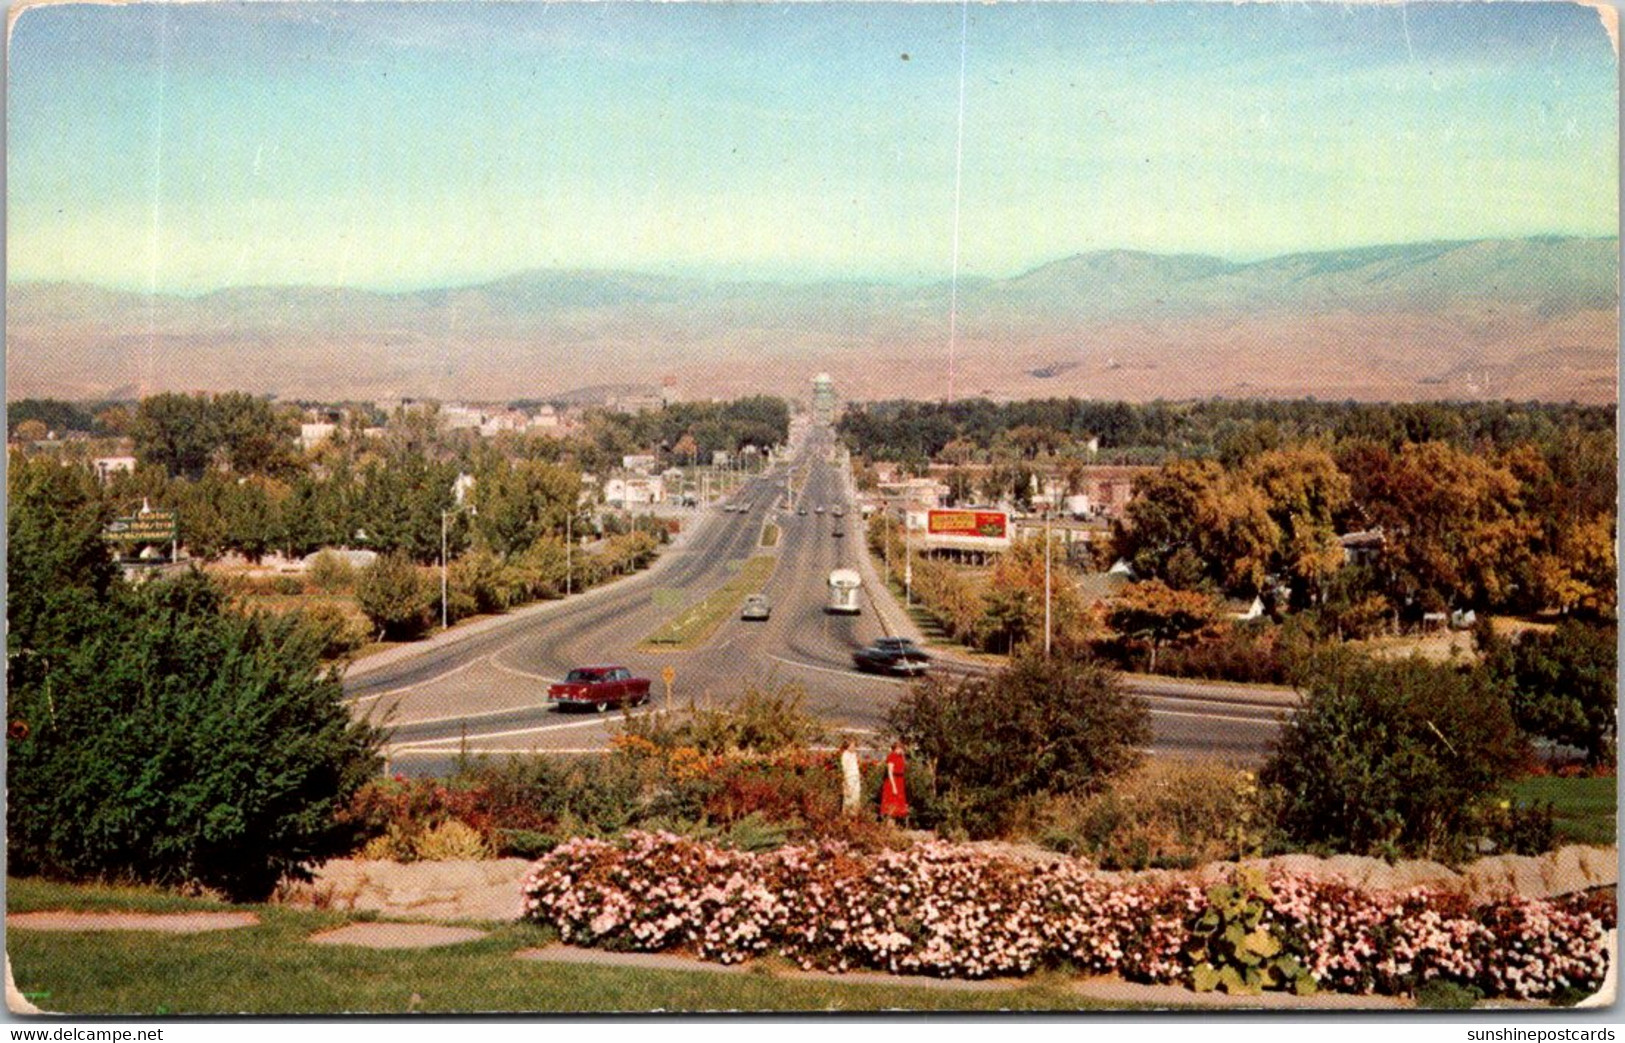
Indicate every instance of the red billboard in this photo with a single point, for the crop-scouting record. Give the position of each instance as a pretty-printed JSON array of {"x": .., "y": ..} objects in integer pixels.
[{"x": 993, "y": 525}]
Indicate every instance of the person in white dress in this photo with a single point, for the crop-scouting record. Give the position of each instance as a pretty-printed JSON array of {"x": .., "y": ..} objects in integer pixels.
[{"x": 851, "y": 779}]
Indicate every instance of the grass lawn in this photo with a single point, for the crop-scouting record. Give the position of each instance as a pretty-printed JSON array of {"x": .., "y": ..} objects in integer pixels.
[
  {"x": 770, "y": 535},
  {"x": 271, "y": 969},
  {"x": 695, "y": 624},
  {"x": 1584, "y": 809}
]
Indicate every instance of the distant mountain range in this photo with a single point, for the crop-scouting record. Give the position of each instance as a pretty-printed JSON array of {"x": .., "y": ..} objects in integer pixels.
[{"x": 1529, "y": 318}]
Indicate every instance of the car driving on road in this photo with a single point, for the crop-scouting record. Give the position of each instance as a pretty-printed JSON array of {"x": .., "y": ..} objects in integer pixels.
[
  {"x": 756, "y": 608},
  {"x": 892, "y": 655},
  {"x": 599, "y": 688}
]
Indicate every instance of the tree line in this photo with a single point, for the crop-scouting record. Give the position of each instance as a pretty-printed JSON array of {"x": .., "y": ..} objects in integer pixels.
[
  {"x": 918, "y": 432},
  {"x": 231, "y": 466},
  {"x": 1522, "y": 528}
]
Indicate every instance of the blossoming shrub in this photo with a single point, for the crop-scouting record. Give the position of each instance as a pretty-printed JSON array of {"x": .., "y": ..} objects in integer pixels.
[{"x": 953, "y": 911}]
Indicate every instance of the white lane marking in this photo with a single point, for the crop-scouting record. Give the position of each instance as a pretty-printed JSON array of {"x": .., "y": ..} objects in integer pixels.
[
  {"x": 514, "y": 731},
  {"x": 1214, "y": 702},
  {"x": 1261, "y": 722},
  {"x": 842, "y": 673},
  {"x": 416, "y": 684},
  {"x": 468, "y": 716},
  {"x": 514, "y": 670},
  {"x": 599, "y": 750}
]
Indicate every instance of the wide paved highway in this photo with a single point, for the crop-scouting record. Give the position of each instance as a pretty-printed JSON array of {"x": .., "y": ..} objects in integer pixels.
[{"x": 482, "y": 689}]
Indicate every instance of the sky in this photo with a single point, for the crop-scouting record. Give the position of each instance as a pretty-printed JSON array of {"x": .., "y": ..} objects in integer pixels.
[{"x": 189, "y": 147}]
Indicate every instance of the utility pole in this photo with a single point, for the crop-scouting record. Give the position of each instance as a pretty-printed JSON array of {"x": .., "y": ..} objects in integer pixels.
[
  {"x": 445, "y": 615},
  {"x": 908, "y": 561},
  {"x": 885, "y": 534},
  {"x": 1049, "y": 512},
  {"x": 569, "y": 552}
]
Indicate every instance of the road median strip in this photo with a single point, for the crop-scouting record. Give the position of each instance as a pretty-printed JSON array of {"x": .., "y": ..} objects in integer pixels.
[{"x": 695, "y": 624}]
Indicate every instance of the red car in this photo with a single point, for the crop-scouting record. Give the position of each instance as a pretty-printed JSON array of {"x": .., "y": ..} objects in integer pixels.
[{"x": 599, "y": 687}]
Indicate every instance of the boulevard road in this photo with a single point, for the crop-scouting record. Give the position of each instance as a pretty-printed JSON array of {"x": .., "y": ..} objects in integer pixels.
[{"x": 482, "y": 689}]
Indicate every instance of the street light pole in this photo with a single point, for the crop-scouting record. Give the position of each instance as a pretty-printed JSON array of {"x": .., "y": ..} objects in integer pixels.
[
  {"x": 569, "y": 561},
  {"x": 445, "y": 615}
]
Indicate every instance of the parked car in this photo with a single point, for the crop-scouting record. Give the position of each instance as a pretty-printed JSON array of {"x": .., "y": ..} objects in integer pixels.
[
  {"x": 892, "y": 655},
  {"x": 802, "y": 511},
  {"x": 599, "y": 687},
  {"x": 837, "y": 531},
  {"x": 756, "y": 608},
  {"x": 819, "y": 509}
]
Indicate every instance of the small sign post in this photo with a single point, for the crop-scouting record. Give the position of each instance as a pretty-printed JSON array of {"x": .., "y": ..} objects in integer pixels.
[{"x": 668, "y": 675}]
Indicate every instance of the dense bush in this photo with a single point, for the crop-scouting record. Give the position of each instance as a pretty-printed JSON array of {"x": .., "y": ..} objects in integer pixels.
[
  {"x": 1565, "y": 685},
  {"x": 523, "y": 806},
  {"x": 956, "y": 912},
  {"x": 395, "y": 596},
  {"x": 763, "y": 720},
  {"x": 337, "y": 633},
  {"x": 1393, "y": 758},
  {"x": 1256, "y": 652},
  {"x": 159, "y": 739},
  {"x": 1043, "y": 725},
  {"x": 1167, "y": 814},
  {"x": 331, "y": 573}
]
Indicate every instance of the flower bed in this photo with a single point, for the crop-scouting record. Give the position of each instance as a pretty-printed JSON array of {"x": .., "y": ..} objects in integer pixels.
[{"x": 949, "y": 911}]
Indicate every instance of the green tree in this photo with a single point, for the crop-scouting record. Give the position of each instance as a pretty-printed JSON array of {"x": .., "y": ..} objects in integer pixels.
[
  {"x": 172, "y": 743},
  {"x": 519, "y": 502},
  {"x": 251, "y": 435},
  {"x": 176, "y": 432},
  {"x": 1393, "y": 758},
  {"x": 55, "y": 553},
  {"x": 961, "y": 487},
  {"x": 1044, "y": 725},
  {"x": 401, "y": 504},
  {"x": 395, "y": 596}
]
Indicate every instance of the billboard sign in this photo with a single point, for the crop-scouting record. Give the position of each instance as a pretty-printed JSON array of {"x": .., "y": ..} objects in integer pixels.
[
  {"x": 991, "y": 525},
  {"x": 146, "y": 527}
]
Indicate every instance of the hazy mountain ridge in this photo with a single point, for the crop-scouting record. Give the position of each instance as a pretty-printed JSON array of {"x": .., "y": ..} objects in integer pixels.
[{"x": 1402, "y": 321}]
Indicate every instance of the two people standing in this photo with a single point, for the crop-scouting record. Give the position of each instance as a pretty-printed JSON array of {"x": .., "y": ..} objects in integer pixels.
[{"x": 893, "y": 789}]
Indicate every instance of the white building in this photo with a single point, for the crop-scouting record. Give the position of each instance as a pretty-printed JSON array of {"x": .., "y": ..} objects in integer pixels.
[
  {"x": 313, "y": 435},
  {"x": 928, "y": 492},
  {"x": 634, "y": 491},
  {"x": 508, "y": 420},
  {"x": 107, "y": 466},
  {"x": 458, "y": 418},
  {"x": 642, "y": 463}
]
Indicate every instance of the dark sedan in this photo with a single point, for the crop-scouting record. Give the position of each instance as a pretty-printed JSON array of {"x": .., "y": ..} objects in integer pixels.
[{"x": 892, "y": 655}]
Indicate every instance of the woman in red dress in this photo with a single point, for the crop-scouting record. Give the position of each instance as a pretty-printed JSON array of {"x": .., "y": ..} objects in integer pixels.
[{"x": 893, "y": 792}]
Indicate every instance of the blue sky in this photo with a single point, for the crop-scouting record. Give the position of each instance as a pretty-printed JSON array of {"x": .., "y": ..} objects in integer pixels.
[{"x": 189, "y": 147}]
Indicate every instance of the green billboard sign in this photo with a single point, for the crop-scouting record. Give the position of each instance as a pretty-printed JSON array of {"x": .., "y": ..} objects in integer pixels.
[{"x": 146, "y": 527}]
